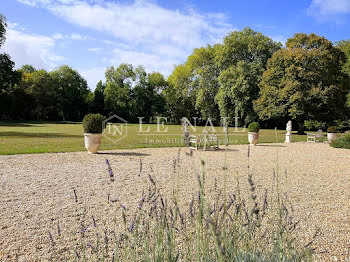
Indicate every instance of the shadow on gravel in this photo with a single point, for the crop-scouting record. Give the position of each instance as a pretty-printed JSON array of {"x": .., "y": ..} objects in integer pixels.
[
  {"x": 270, "y": 145},
  {"x": 123, "y": 154},
  {"x": 227, "y": 149}
]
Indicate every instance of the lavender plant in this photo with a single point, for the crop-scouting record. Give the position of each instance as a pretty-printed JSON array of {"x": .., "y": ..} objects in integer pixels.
[{"x": 229, "y": 227}]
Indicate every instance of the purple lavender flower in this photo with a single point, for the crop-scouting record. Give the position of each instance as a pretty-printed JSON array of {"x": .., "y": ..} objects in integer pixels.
[
  {"x": 52, "y": 241},
  {"x": 110, "y": 171},
  {"x": 141, "y": 202},
  {"x": 131, "y": 227}
]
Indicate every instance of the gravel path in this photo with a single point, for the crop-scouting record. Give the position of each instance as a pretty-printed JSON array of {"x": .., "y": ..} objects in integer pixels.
[{"x": 36, "y": 190}]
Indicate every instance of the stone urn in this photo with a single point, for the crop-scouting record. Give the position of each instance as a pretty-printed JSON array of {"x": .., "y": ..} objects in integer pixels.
[
  {"x": 92, "y": 142},
  {"x": 253, "y": 138},
  {"x": 93, "y": 125},
  {"x": 331, "y": 136},
  {"x": 331, "y": 133}
]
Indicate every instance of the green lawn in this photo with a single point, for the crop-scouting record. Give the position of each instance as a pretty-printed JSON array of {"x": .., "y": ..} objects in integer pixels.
[{"x": 40, "y": 137}]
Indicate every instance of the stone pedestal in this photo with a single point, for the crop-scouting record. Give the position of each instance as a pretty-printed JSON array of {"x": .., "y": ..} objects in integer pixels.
[{"x": 288, "y": 138}]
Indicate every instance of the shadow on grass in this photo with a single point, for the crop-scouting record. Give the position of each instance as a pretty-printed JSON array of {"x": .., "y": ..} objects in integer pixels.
[
  {"x": 18, "y": 124},
  {"x": 39, "y": 135},
  {"x": 14, "y": 123},
  {"x": 123, "y": 154}
]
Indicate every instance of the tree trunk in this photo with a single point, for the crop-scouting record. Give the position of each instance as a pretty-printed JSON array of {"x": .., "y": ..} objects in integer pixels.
[{"x": 301, "y": 128}]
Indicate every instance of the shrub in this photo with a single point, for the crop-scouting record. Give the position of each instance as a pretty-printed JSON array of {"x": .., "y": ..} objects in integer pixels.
[
  {"x": 92, "y": 123},
  {"x": 332, "y": 129},
  {"x": 342, "y": 124},
  {"x": 254, "y": 127},
  {"x": 314, "y": 125},
  {"x": 342, "y": 141}
]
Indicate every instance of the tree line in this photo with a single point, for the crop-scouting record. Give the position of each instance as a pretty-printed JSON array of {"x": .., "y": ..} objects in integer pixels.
[{"x": 248, "y": 75}]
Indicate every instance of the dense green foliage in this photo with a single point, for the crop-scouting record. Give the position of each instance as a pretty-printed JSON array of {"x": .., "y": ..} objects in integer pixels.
[
  {"x": 342, "y": 141},
  {"x": 304, "y": 81},
  {"x": 314, "y": 125},
  {"x": 92, "y": 123},
  {"x": 242, "y": 60},
  {"x": 342, "y": 125},
  {"x": 248, "y": 77},
  {"x": 344, "y": 46},
  {"x": 131, "y": 93},
  {"x": 72, "y": 92},
  {"x": 254, "y": 127}
]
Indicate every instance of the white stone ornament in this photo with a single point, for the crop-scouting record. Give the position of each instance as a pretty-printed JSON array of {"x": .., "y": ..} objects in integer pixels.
[{"x": 289, "y": 132}]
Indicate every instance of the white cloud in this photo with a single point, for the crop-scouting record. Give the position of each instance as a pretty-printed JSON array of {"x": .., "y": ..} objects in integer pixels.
[
  {"x": 152, "y": 62},
  {"x": 93, "y": 75},
  {"x": 75, "y": 36},
  {"x": 72, "y": 36},
  {"x": 24, "y": 48},
  {"x": 34, "y": 2},
  {"x": 142, "y": 24},
  {"x": 58, "y": 36},
  {"x": 329, "y": 9},
  {"x": 140, "y": 32},
  {"x": 94, "y": 49}
]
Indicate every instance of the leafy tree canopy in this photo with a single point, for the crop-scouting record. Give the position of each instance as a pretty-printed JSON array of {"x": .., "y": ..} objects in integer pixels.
[
  {"x": 304, "y": 81},
  {"x": 72, "y": 91},
  {"x": 179, "y": 96},
  {"x": 242, "y": 60},
  {"x": 118, "y": 90},
  {"x": 27, "y": 69}
]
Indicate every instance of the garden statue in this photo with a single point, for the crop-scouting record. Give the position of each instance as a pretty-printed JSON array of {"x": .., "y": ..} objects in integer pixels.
[
  {"x": 289, "y": 132},
  {"x": 289, "y": 127}
]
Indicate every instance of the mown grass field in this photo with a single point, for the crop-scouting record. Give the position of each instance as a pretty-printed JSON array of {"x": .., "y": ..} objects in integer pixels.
[{"x": 50, "y": 137}]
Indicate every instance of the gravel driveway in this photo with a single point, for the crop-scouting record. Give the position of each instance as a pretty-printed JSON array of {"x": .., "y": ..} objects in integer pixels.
[{"x": 37, "y": 190}]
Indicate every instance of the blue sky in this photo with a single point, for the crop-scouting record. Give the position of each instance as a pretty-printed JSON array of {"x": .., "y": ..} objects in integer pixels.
[{"x": 90, "y": 35}]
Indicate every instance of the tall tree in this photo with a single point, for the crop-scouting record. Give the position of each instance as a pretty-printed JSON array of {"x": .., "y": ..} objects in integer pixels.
[
  {"x": 179, "y": 95},
  {"x": 38, "y": 87},
  {"x": 204, "y": 81},
  {"x": 238, "y": 89},
  {"x": 71, "y": 91},
  {"x": 157, "y": 84},
  {"x": 98, "y": 103},
  {"x": 304, "y": 81},
  {"x": 242, "y": 59},
  {"x": 118, "y": 90},
  {"x": 27, "y": 69},
  {"x": 193, "y": 86},
  {"x": 8, "y": 78},
  {"x": 345, "y": 47},
  {"x": 147, "y": 98}
]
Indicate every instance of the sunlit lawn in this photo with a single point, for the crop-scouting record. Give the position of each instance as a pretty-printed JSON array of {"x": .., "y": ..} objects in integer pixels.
[{"x": 35, "y": 137}]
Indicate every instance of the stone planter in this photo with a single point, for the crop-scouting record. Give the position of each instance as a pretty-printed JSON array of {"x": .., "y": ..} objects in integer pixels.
[
  {"x": 331, "y": 136},
  {"x": 92, "y": 142},
  {"x": 253, "y": 138}
]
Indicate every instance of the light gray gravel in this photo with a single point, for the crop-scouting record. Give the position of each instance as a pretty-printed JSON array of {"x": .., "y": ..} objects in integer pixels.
[{"x": 36, "y": 190}]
